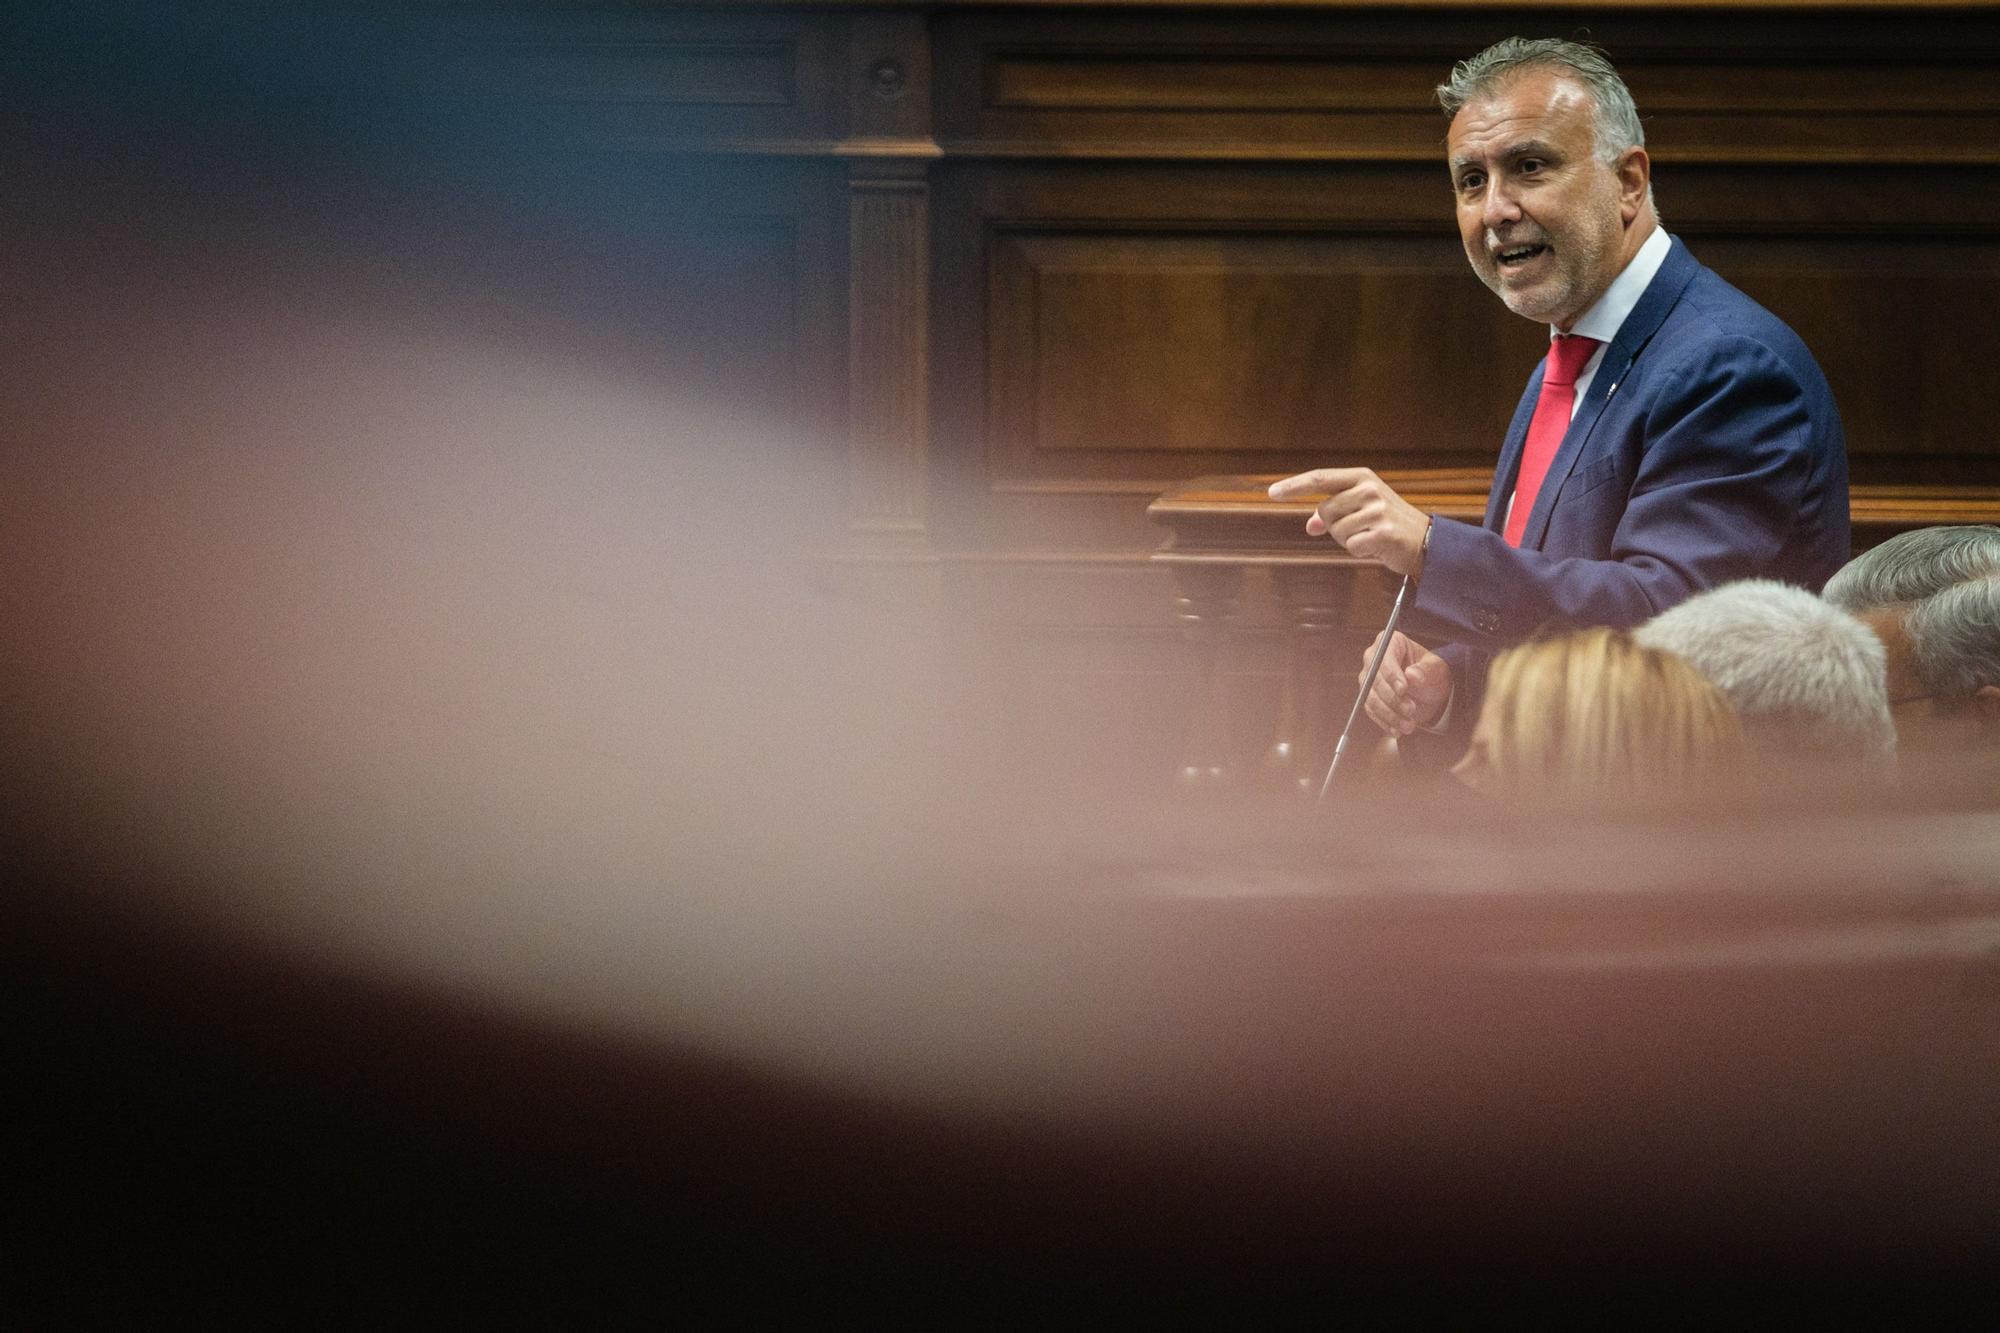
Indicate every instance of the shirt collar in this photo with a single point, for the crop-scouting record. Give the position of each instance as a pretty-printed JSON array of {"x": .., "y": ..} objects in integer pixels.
[{"x": 1603, "y": 320}]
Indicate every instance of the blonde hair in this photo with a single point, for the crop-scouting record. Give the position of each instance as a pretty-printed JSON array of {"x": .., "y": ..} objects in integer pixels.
[{"x": 1595, "y": 714}]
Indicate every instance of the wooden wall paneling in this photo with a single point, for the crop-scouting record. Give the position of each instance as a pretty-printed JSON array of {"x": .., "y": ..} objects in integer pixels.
[
  {"x": 1889, "y": 274},
  {"x": 1853, "y": 90},
  {"x": 997, "y": 218},
  {"x": 1908, "y": 338},
  {"x": 1783, "y": 200},
  {"x": 666, "y": 76},
  {"x": 1140, "y": 325},
  {"x": 1175, "y": 350},
  {"x": 1743, "y": 85},
  {"x": 1263, "y": 86}
]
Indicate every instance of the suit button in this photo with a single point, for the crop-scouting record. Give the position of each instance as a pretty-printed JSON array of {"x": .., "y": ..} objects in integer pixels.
[{"x": 1486, "y": 620}]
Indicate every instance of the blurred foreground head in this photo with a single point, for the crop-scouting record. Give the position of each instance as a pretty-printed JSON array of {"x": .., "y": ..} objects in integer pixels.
[
  {"x": 1933, "y": 597},
  {"x": 1807, "y": 680},
  {"x": 1594, "y": 714}
]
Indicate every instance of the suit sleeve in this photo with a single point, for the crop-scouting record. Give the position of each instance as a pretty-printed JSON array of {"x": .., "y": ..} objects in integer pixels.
[{"x": 1724, "y": 463}]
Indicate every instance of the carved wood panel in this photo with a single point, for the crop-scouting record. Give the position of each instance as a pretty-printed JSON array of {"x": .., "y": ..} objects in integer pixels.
[
  {"x": 1119, "y": 351},
  {"x": 1728, "y": 85},
  {"x": 662, "y": 75},
  {"x": 1906, "y": 333}
]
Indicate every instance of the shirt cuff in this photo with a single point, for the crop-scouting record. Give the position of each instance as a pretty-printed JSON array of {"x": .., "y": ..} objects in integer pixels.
[{"x": 1444, "y": 719}]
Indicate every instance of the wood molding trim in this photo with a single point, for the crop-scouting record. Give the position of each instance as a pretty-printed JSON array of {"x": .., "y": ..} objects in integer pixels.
[{"x": 889, "y": 356}]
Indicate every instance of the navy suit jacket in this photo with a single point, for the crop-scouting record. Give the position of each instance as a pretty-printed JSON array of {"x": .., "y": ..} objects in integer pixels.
[{"x": 1707, "y": 449}]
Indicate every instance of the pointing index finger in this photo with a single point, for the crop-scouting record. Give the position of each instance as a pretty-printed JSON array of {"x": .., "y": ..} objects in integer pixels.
[{"x": 1327, "y": 480}]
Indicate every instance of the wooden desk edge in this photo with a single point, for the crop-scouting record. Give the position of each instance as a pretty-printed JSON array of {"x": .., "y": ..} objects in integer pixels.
[{"x": 1461, "y": 494}]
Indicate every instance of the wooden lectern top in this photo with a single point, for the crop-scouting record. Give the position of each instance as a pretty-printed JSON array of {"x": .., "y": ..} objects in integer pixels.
[{"x": 1231, "y": 519}]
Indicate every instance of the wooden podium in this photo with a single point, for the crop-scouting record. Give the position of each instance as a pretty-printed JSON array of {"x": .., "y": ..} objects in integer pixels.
[{"x": 1331, "y": 604}]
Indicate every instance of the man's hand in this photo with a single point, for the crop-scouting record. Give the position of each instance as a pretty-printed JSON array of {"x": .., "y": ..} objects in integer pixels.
[
  {"x": 1364, "y": 514},
  {"x": 1412, "y": 688}
]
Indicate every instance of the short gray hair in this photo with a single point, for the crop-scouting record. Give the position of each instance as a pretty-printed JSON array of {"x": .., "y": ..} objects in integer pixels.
[
  {"x": 1616, "y": 120},
  {"x": 1914, "y": 565},
  {"x": 1803, "y": 675},
  {"x": 1955, "y": 639}
]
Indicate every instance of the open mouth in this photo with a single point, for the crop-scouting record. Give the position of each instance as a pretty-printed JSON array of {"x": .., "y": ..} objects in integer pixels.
[{"x": 1514, "y": 256}]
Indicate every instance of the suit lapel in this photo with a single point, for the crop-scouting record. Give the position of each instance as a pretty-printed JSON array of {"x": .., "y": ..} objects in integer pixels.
[
  {"x": 1509, "y": 465},
  {"x": 1660, "y": 296}
]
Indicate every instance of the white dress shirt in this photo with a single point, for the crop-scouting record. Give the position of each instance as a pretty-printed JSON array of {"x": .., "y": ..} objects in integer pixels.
[{"x": 1604, "y": 318}]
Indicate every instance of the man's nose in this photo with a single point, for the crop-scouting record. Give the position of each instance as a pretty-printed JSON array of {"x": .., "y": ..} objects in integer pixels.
[{"x": 1500, "y": 207}]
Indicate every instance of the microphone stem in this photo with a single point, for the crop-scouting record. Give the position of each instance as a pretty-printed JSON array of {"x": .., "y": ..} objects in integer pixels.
[{"x": 1367, "y": 684}]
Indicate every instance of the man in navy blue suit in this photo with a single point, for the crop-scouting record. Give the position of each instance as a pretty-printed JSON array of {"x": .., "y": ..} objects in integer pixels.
[{"x": 1677, "y": 436}]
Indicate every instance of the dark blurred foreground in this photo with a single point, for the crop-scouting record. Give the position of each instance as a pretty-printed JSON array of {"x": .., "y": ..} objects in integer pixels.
[
  {"x": 1193, "y": 1074},
  {"x": 461, "y": 860}
]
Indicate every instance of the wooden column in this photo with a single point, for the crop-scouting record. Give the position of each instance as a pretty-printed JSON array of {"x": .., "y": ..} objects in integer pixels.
[{"x": 889, "y": 150}]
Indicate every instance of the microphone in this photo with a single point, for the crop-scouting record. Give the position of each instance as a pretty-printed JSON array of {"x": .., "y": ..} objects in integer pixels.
[{"x": 1367, "y": 684}]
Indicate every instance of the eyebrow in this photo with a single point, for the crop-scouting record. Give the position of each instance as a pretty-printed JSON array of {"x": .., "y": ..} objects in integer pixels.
[{"x": 1514, "y": 152}]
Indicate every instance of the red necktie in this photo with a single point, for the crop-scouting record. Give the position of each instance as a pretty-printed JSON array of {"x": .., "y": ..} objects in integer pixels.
[{"x": 1568, "y": 355}]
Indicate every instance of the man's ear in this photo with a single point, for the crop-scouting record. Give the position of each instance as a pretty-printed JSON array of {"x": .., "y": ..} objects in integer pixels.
[
  {"x": 1986, "y": 708},
  {"x": 1635, "y": 177}
]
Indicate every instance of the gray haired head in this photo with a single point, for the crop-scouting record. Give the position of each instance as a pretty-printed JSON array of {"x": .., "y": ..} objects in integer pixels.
[
  {"x": 1955, "y": 639},
  {"x": 1616, "y": 120},
  {"x": 1914, "y": 565},
  {"x": 1803, "y": 676}
]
